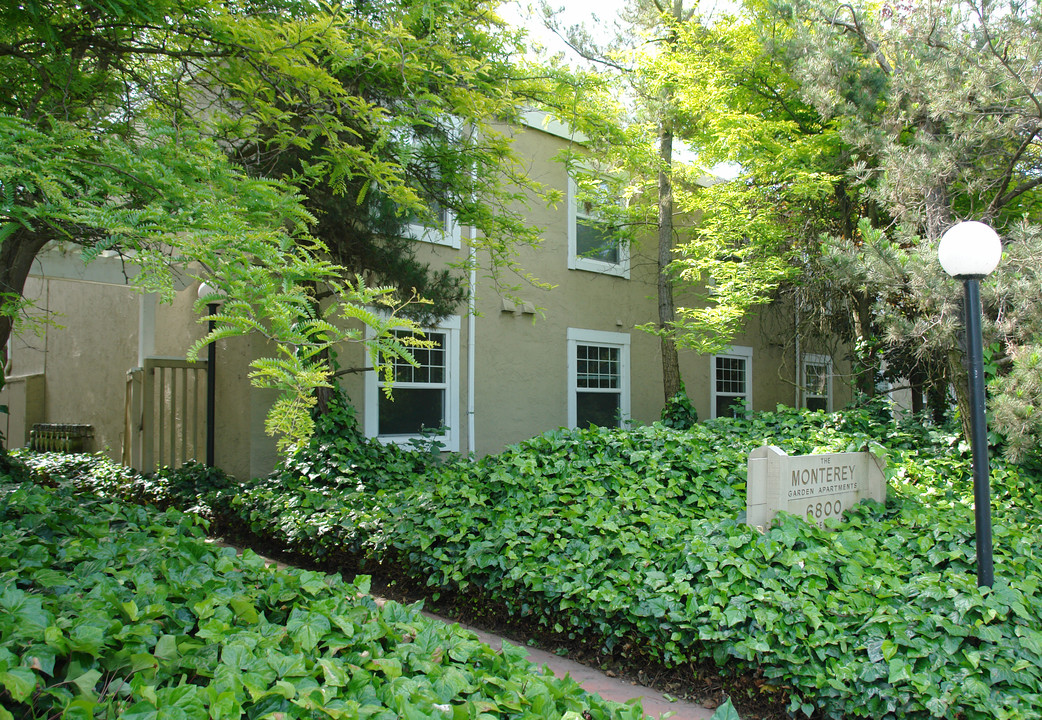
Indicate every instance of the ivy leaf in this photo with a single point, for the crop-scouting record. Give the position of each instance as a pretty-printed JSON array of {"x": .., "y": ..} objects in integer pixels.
[
  {"x": 391, "y": 667},
  {"x": 225, "y": 706},
  {"x": 166, "y": 648},
  {"x": 244, "y": 609},
  {"x": 140, "y": 711},
  {"x": 87, "y": 638},
  {"x": 726, "y": 712},
  {"x": 19, "y": 681},
  {"x": 307, "y": 628},
  {"x": 41, "y": 658},
  {"x": 900, "y": 670},
  {"x": 87, "y": 682},
  {"x": 286, "y": 665}
]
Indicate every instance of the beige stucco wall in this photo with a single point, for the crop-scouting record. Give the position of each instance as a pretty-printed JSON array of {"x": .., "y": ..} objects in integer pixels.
[
  {"x": 520, "y": 358},
  {"x": 80, "y": 353},
  {"x": 75, "y": 370},
  {"x": 24, "y": 396},
  {"x": 521, "y": 362}
]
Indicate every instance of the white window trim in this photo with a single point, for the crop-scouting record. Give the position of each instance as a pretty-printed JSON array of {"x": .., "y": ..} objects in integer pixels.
[
  {"x": 813, "y": 359},
  {"x": 577, "y": 336},
  {"x": 619, "y": 269},
  {"x": 449, "y": 236},
  {"x": 743, "y": 352},
  {"x": 450, "y": 439}
]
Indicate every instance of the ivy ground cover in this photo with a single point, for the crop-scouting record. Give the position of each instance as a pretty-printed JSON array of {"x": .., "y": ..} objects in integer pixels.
[
  {"x": 114, "y": 611},
  {"x": 635, "y": 540}
]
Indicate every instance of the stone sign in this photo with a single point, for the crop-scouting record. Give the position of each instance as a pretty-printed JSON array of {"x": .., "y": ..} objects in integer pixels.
[{"x": 815, "y": 487}]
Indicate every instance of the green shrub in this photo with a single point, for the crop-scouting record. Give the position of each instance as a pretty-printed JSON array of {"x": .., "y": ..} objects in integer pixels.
[
  {"x": 108, "y": 610},
  {"x": 633, "y": 539},
  {"x": 679, "y": 412},
  {"x": 194, "y": 487}
]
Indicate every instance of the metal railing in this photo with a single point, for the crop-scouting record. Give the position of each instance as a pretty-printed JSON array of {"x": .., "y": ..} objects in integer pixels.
[{"x": 165, "y": 414}]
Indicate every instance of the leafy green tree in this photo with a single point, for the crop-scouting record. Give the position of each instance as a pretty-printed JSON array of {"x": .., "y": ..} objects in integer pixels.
[
  {"x": 645, "y": 88},
  {"x": 905, "y": 119},
  {"x": 152, "y": 129}
]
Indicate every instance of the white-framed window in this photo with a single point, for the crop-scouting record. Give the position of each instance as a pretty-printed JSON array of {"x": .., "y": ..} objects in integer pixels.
[
  {"x": 440, "y": 228},
  {"x": 598, "y": 378},
  {"x": 591, "y": 246},
  {"x": 732, "y": 382},
  {"x": 816, "y": 382},
  {"x": 424, "y": 402}
]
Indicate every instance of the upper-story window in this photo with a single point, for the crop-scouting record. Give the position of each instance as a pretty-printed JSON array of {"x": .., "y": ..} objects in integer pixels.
[
  {"x": 440, "y": 227},
  {"x": 817, "y": 382},
  {"x": 732, "y": 382},
  {"x": 592, "y": 244},
  {"x": 421, "y": 154}
]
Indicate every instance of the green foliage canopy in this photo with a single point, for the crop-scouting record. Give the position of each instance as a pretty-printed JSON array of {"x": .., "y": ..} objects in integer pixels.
[
  {"x": 862, "y": 132},
  {"x": 720, "y": 246},
  {"x": 152, "y": 129}
]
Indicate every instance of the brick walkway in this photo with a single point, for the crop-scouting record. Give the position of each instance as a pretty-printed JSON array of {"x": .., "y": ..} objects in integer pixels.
[
  {"x": 595, "y": 681},
  {"x": 592, "y": 680}
]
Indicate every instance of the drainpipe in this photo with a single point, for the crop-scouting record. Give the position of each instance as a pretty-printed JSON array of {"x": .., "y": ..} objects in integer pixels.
[
  {"x": 799, "y": 374},
  {"x": 471, "y": 334},
  {"x": 146, "y": 327}
]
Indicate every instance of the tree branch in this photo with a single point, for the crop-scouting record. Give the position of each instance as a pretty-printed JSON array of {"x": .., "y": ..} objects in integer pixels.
[
  {"x": 859, "y": 30},
  {"x": 350, "y": 371}
]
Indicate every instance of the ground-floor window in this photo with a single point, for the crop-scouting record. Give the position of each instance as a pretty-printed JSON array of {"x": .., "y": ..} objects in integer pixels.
[
  {"x": 424, "y": 401},
  {"x": 732, "y": 382},
  {"x": 598, "y": 378},
  {"x": 817, "y": 382}
]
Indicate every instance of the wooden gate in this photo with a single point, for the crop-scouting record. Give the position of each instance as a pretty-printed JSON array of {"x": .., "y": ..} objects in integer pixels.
[{"x": 165, "y": 414}]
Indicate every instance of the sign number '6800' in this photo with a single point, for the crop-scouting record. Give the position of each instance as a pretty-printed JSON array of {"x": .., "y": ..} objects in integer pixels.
[{"x": 818, "y": 511}]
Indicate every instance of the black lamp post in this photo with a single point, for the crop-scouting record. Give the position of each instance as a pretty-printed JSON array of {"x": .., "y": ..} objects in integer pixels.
[
  {"x": 969, "y": 251},
  {"x": 206, "y": 290}
]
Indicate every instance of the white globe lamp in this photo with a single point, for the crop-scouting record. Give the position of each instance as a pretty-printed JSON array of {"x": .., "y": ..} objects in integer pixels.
[{"x": 969, "y": 249}]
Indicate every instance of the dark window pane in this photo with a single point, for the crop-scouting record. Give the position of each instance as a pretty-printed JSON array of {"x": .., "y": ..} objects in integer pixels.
[
  {"x": 437, "y": 220},
  {"x": 593, "y": 240},
  {"x": 730, "y": 405},
  {"x": 431, "y": 360},
  {"x": 817, "y": 379},
  {"x": 730, "y": 375},
  {"x": 596, "y": 409},
  {"x": 411, "y": 411},
  {"x": 817, "y": 403}
]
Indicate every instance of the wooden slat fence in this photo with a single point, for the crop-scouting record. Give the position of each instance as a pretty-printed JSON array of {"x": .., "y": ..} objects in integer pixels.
[{"x": 165, "y": 414}]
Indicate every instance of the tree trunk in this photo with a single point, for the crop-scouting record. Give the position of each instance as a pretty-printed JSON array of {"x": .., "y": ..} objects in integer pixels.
[
  {"x": 866, "y": 375},
  {"x": 918, "y": 403},
  {"x": 916, "y": 382},
  {"x": 17, "y": 254},
  {"x": 671, "y": 382}
]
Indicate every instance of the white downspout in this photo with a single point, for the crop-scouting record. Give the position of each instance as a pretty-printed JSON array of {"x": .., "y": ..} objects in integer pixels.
[
  {"x": 471, "y": 334},
  {"x": 799, "y": 372},
  {"x": 146, "y": 327}
]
